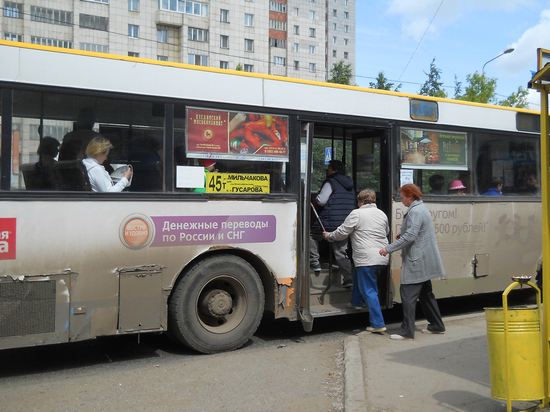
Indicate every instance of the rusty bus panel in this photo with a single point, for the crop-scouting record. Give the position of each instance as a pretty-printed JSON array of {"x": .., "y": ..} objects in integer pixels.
[{"x": 34, "y": 309}]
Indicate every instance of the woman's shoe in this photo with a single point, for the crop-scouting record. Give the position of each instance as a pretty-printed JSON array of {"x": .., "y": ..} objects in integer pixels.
[{"x": 399, "y": 337}]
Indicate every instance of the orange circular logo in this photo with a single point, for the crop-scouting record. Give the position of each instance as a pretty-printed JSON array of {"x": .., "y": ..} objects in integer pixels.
[
  {"x": 208, "y": 134},
  {"x": 136, "y": 232}
]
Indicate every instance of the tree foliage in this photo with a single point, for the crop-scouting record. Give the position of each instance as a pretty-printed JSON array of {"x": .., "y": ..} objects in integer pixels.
[
  {"x": 341, "y": 73},
  {"x": 480, "y": 89},
  {"x": 517, "y": 99},
  {"x": 239, "y": 67},
  {"x": 432, "y": 86},
  {"x": 383, "y": 84}
]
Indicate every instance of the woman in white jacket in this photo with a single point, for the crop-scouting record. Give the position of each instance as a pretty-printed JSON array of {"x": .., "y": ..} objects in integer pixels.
[
  {"x": 368, "y": 229},
  {"x": 100, "y": 180}
]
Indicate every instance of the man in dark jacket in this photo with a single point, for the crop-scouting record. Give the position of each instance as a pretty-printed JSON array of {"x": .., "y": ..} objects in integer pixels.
[{"x": 335, "y": 201}]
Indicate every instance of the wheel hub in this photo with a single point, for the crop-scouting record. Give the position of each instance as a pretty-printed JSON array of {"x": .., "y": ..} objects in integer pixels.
[{"x": 217, "y": 303}]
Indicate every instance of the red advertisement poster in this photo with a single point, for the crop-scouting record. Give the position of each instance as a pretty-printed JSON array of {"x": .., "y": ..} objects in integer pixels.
[{"x": 236, "y": 133}]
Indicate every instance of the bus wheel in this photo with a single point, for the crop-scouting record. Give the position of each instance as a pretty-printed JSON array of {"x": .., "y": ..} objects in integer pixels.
[{"x": 217, "y": 306}]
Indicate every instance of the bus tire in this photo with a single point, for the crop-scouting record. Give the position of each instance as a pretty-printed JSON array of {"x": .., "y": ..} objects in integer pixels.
[{"x": 217, "y": 305}]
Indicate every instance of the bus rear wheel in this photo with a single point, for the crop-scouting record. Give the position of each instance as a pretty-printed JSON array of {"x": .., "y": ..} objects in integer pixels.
[{"x": 217, "y": 305}]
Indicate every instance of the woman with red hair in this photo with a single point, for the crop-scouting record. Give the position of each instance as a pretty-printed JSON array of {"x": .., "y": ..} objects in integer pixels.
[{"x": 421, "y": 262}]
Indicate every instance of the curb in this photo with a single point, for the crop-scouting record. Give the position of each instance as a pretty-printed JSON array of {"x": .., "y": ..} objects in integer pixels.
[{"x": 355, "y": 399}]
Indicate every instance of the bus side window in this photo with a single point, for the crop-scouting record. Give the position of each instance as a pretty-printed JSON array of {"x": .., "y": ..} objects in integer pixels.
[{"x": 513, "y": 160}]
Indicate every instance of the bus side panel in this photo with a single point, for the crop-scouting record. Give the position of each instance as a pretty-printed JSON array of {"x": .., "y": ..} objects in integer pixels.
[
  {"x": 123, "y": 258},
  {"x": 481, "y": 244},
  {"x": 34, "y": 310}
]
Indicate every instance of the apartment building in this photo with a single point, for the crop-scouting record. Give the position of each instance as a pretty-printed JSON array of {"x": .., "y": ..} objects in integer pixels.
[{"x": 294, "y": 38}]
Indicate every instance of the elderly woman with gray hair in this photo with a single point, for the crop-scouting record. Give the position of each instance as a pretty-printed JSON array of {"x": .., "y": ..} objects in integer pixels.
[
  {"x": 421, "y": 262},
  {"x": 368, "y": 229}
]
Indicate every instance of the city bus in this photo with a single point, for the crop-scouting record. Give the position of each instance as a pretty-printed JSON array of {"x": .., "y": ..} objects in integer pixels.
[{"x": 203, "y": 254}]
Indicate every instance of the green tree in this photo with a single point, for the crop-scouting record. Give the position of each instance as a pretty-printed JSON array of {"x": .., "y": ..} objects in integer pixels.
[
  {"x": 458, "y": 88},
  {"x": 480, "y": 89},
  {"x": 432, "y": 86},
  {"x": 517, "y": 99},
  {"x": 341, "y": 73},
  {"x": 383, "y": 84},
  {"x": 239, "y": 67}
]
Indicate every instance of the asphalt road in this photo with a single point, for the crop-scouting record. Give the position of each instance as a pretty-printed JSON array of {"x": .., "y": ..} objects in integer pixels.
[{"x": 282, "y": 368}]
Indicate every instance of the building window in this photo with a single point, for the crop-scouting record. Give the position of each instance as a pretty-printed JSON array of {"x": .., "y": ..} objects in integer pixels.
[
  {"x": 248, "y": 20},
  {"x": 312, "y": 15},
  {"x": 187, "y": 7},
  {"x": 334, "y": 13},
  {"x": 296, "y": 47},
  {"x": 133, "y": 5},
  {"x": 224, "y": 65},
  {"x": 224, "y": 16},
  {"x": 162, "y": 36},
  {"x": 334, "y": 39},
  {"x": 88, "y": 21},
  {"x": 99, "y": 1},
  {"x": 248, "y": 45},
  {"x": 197, "y": 34},
  {"x": 276, "y": 6},
  {"x": 311, "y": 32},
  {"x": 13, "y": 10},
  {"x": 346, "y": 55},
  {"x": 52, "y": 16},
  {"x": 277, "y": 25},
  {"x": 345, "y": 42},
  {"x": 311, "y": 49},
  {"x": 133, "y": 31},
  {"x": 346, "y": 15},
  {"x": 279, "y": 43},
  {"x": 296, "y": 11},
  {"x": 312, "y": 67},
  {"x": 279, "y": 61},
  {"x": 296, "y": 65},
  {"x": 334, "y": 53},
  {"x": 52, "y": 42},
  {"x": 224, "y": 42},
  {"x": 334, "y": 26},
  {"x": 133, "y": 54},
  {"x": 12, "y": 37},
  {"x": 249, "y": 68},
  {"x": 345, "y": 2},
  {"x": 162, "y": 58},
  {"x": 197, "y": 59},
  {"x": 297, "y": 30},
  {"x": 94, "y": 47},
  {"x": 346, "y": 29}
]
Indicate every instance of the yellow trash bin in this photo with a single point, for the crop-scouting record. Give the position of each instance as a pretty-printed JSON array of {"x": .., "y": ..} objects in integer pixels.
[{"x": 514, "y": 338}]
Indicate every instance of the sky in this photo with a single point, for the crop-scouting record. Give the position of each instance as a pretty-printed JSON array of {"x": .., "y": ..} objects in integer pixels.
[{"x": 402, "y": 37}]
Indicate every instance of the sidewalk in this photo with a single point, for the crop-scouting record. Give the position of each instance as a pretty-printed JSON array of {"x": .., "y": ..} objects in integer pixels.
[{"x": 433, "y": 373}]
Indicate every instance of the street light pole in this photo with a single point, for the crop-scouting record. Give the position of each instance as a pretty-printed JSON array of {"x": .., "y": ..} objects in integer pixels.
[{"x": 508, "y": 50}]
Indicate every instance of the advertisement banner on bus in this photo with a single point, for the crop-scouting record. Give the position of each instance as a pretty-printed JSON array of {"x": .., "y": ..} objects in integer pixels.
[
  {"x": 236, "y": 135},
  {"x": 433, "y": 149},
  {"x": 7, "y": 238}
]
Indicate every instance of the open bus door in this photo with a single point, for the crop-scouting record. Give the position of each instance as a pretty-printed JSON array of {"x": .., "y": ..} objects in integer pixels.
[{"x": 365, "y": 154}]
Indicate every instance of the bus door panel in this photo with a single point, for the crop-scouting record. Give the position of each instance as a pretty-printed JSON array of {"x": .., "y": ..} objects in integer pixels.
[
  {"x": 369, "y": 172},
  {"x": 306, "y": 133}
]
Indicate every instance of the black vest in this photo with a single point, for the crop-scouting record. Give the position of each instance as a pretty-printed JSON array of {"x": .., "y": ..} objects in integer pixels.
[{"x": 340, "y": 203}]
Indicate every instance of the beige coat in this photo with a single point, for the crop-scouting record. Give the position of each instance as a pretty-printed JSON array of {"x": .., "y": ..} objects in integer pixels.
[{"x": 368, "y": 229}]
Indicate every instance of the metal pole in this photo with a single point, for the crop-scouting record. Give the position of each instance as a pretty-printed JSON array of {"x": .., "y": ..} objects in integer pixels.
[{"x": 545, "y": 191}]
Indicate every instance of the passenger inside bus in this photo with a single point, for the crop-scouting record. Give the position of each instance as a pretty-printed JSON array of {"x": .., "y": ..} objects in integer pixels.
[
  {"x": 47, "y": 152},
  {"x": 100, "y": 180},
  {"x": 75, "y": 142},
  {"x": 436, "y": 183},
  {"x": 496, "y": 187},
  {"x": 456, "y": 187}
]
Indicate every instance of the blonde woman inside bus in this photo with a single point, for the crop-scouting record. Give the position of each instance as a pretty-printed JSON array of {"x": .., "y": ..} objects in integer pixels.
[{"x": 100, "y": 180}]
